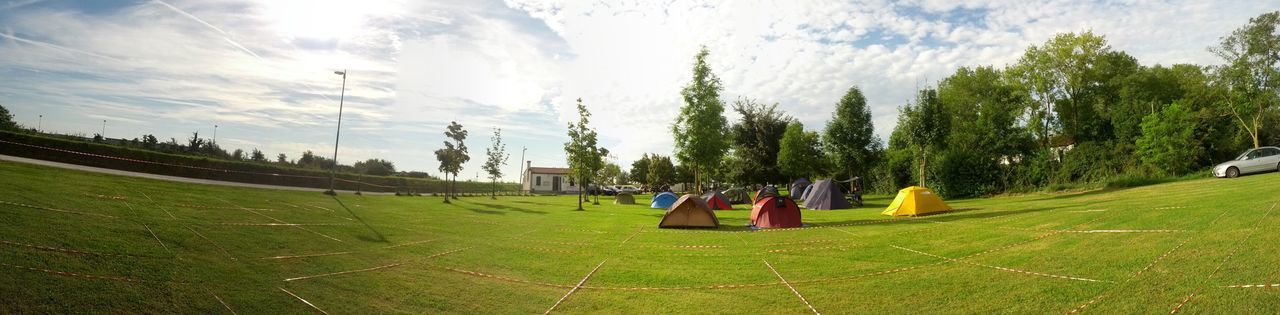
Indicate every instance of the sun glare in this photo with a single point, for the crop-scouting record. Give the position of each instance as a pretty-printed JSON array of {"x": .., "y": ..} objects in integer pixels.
[{"x": 324, "y": 20}]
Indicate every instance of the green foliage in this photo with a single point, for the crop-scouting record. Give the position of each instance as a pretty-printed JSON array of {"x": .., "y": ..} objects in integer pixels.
[
  {"x": 965, "y": 172},
  {"x": 1250, "y": 77},
  {"x": 700, "y": 128},
  {"x": 661, "y": 171},
  {"x": 640, "y": 170},
  {"x": 850, "y": 135},
  {"x": 282, "y": 159},
  {"x": 1168, "y": 141},
  {"x": 258, "y": 156},
  {"x": 498, "y": 156},
  {"x": 375, "y": 167},
  {"x": 925, "y": 125},
  {"x": 801, "y": 154},
  {"x": 585, "y": 158},
  {"x": 453, "y": 155},
  {"x": 238, "y": 155},
  {"x": 6, "y": 119},
  {"x": 756, "y": 139},
  {"x": 1057, "y": 76}
]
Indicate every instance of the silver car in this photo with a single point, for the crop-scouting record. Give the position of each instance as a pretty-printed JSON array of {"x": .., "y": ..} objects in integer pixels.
[{"x": 1253, "y": 161}]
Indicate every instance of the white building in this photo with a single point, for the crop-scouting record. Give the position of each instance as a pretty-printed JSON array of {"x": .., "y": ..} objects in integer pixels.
[{"x": 554, "y": 180}]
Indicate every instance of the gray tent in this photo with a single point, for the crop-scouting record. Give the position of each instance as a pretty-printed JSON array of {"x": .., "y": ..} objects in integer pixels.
[
  {"x": 737, "y": 196},
  {"x": 826, "y": 195},
  {"x": 797, "y": 187},
  {"x": 807, "y": 190}
]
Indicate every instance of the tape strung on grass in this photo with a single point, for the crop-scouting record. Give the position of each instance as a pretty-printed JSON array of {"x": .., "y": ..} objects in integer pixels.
[
  {"x": 76, "y": 275},
  {"x": 70, "y": 251},
  {"x": 575, "y": 287},
  {"x": 343, "y": 272},
  {"x": 307, "y": 256},
  {"x": 998, "y": 267},
  {"x": 793, "y": 289},
  {"x": 1253, "y": 286},
  {"x": 409, "y": 243},
  {"x": 1239, "y": 244},
  {"x": 182, "y": 205},
  {"x": 224, "y": 304},
  {"x": 153, "y": 234},
  {"x": 101, "y": 196},
  {"x": 839, "y": 248},
  {"x": 55, "y": 210},
  {"x": 157, "y": 205},
  {"x": 215, "y": 244},
  {"x": 1135, "y": 275},
  {"x": 313, "y": 306},
  {"x": 285, "y": 224}
]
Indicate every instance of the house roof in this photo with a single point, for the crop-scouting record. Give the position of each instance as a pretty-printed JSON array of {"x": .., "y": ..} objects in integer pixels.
[{"x": 548, "y": 170}]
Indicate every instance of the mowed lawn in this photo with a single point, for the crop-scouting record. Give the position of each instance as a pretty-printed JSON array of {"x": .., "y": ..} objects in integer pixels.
[{"x": 89, "y": 243}]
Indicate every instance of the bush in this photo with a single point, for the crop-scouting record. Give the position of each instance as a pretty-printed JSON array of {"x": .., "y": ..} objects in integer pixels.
[{"x": 963, "y": 173}]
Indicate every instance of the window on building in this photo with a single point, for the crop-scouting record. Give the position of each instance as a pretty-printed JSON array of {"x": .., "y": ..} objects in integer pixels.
[
  {"x": 571, "y": 182},
  {"x": 537, "y": 181}
]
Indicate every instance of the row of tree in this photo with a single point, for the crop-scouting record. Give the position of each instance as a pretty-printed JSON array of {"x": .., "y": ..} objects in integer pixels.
[{"x": 454, "y": 154}]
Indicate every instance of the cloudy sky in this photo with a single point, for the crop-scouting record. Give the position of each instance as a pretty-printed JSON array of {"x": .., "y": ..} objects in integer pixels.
[{"x": 263, "y": 70}]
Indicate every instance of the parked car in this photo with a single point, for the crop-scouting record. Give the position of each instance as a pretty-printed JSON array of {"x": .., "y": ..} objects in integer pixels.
[
  {"x": 627, "y": 189},
  {"x": 1257, "y": 160},
  {"x": 610, "y": 191}
]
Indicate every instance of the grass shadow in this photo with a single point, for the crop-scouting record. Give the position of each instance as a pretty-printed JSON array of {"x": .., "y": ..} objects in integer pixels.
[{"x": 380, "y": 238}]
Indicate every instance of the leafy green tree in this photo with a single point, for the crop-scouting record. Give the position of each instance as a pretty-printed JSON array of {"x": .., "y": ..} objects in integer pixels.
[
  {"x": 661, "y": 171},
  {"x": 640, "y": 170},
  {"x": 452, "y": 156},
  {"x": 1250, "y": 76},
  {"x": 237, "y": 155},
  {"x": 1057, "y": 77},
  {"x": 700, "y": 130},
  {"x": 1168, "y": 141},
  {"x": 584, "y": 157},
  {"x": 258, "y": 156},
  {"x": 282, "y": 159},
  {"x": 756, "y": 138},
  {"x": 6, "y": 119},
  {"x": 850, "y": 135},
  {"x": 926, "y": 126},
  {"x": 608, "y": 175},
  {"x": 801, "y": 153},
  {"x": 497, "y": 158}
]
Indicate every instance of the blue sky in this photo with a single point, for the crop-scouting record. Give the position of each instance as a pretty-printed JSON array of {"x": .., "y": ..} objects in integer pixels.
[{"x": 263, "y": 70}]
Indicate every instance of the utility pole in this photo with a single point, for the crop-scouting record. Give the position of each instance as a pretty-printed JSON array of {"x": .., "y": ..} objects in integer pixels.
[
  {"x": 215, "y": 133},
  {"x": 337, "y": 135},
  {"x": 104, "y": 130},
  {"x": 522, "y": 150},
  {"x": 40, "y": 125}
]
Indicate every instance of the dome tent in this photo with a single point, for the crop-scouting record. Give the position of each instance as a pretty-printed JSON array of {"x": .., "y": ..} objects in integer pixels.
[
  {"x": 737, "y": 195},
  {"x": 624, "y": 199},
  {"x": 797, "y": 187},
  {"x": 717, "y": 201},
  {"x": 689, "y": 212},
  {"x": 826, "y": 195},
  {"x": 663, "y": 200},
  {"x": 775, "y": 212},
  {"x": 914, "y": 201}
]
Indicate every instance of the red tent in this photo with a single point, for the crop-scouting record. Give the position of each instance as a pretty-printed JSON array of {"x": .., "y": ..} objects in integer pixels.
[
  {"x": 717, "y": 201},
  {"x": 775, "y": 212}
]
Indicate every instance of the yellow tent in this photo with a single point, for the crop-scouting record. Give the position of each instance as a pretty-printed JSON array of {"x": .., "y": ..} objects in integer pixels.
[{"x": 914, "y": 201}]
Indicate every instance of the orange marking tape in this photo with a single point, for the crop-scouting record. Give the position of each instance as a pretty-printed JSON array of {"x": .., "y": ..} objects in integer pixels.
[
  {"x": 69, "y": 251},
  {"x": 575, "y": 288},
  {"x": 1249, "y": 286},
  {"x": 72, "y": 274},
  {"x": 998, "y": 267},
  {"x": 307, "y": 256},
  {"x": 409, "y": 243},
  {"x": 1231, "y": 254}
]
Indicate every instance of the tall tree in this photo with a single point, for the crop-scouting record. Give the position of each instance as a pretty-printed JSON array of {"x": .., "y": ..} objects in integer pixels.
[
  {"x": 926, "y": 126},
  {"x": 1057, "y": 76},
  {"x": 640, "y": 170},
  {"x": 452, "y": 156},
  {"x": 850, "y": 135},
  {"x": 6, "y": 119},
  {"x": 700, "y": 128},
  {"x": 258, "y": 156},
  {"x": 756, "y": 139},
  {"x": 583, "y": 155},
  {"x": 801, "y": 154},
  {"x": 376, "y": 167},
  {"x": 282, "y": 159},
  {"x": 497, "y": 158},
  {"x": 1168, "y": 141},
  {"x": 1251, "y": 73},
  {"x": 661, "y": 171}
]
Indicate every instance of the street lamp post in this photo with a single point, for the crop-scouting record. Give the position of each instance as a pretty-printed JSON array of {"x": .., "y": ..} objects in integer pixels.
[
  {"x": 40, "y": 125},
  {"x": 338, "y": 134},
  {"x": 104, "y": 129},
  {"x": 215, "y": 133}
]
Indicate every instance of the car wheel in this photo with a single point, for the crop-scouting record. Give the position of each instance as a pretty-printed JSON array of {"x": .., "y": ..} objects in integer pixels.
[{"x": 1233, "y": 172}]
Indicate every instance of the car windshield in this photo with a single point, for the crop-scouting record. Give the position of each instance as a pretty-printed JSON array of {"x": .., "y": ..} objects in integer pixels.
[{"x": 1243, "y": 156}]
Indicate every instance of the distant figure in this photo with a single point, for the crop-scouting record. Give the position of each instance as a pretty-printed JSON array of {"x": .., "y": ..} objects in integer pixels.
[{"x": 857, "y": 189}]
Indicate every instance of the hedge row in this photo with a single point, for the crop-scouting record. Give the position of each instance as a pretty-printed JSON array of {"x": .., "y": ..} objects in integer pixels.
[{"x": 145, "y": 161}]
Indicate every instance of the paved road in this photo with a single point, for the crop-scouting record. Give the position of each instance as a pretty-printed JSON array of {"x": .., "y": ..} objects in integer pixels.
[{"x": 164, "y": 177}]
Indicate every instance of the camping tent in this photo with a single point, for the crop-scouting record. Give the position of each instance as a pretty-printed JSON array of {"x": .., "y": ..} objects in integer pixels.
[
  {"x": 805, "y": 195},
  {"x": 775, "y": 212},
  {"x": 914, "y": 201},
  {"x": 717, "y": 201},
  {"x": 624, "y": 199},
  {"x": 737, "y": 195},
  {"x": 797, "y": 187},
  {"x": 689, "y": 212},
  {"x": 826, "y": 195},
  {"x": 663, "y": 200},
  {"x": 765, "y": 192}
]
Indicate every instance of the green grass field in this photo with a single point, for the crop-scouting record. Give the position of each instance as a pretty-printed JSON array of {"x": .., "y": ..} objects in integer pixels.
[{"x": 89, "y": 243}]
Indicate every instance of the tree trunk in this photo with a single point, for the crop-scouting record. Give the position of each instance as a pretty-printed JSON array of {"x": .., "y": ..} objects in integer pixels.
[
  {"x": 580, "y": 191},
  {"x": 494, "y": 192},
  {"x": 924, "y": 158},
  {"x": 446, "y": 187}
]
